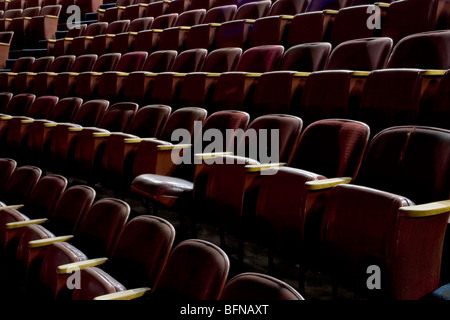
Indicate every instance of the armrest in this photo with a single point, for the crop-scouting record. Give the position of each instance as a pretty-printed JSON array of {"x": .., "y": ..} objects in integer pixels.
[
  {"x": 21, "y": 224},
  {"x": 426, "y": 210},
  {"x": 382, "y": 4},
  {"x": 45, "y": 242},
  {"x": 14, "y": 207},
  {"x": 27, "y": 121},
  {"x": 326, "y": 183},
  {"x": 101, "y": 134},
  {"x": 124, "y": 295},
  {"x": 211, "y": 155},
  {"x": 71, "y": 267},
  {"x": 170, "y": 147},
  {"x": 264, "y": 166},
  {"x": 137, "y": 140}
]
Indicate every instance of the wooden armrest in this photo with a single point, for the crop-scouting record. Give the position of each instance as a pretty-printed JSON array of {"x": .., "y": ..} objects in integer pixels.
[
  {"x": 249, "y": 20},
  {"x": 21, "y": 224},
  {"x": 13, "y": 207},
  {"x": 137, "y": 140},
  {"x": 253, "y": 75},
  {"x": 302, "y": 74},
  {"x": 383, "y": 4},
  {"x": 124, "y": 295},
  {"x": 71, "y": 267},
  {"x": 213, "y": 75},
  {"x": 26, "y": 121},
  {"x": 214, "y": 24},
  {"x": 170, "y": 147},
  {"x": 50, "y": 125},
  {"x": 45, "y": 242},
  {"x": 327, "y": 183},
  {"x": 51, "y": 16},
  {"x": 101, "y": 134},
  {"x": 331, "y": 12},
  {"x": 89, "y": 37},
  {"x": 361, "y": 74},
  {"x": 262, "y": 167},
  {"x": 6, "y": 118},
  {"x": 101, "y": 10},
  {"x": 426, "y": 210},
  {"x": 75, "y": 129},
  {"x": 433, "y": 73},
  {"x": 211, "y": 155},
  {"x": 287, "y": 17},
  {"x": 12, "y": 73}
]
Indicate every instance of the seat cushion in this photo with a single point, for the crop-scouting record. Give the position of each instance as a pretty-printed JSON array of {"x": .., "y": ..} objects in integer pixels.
[{"x": 151, "y": 185}]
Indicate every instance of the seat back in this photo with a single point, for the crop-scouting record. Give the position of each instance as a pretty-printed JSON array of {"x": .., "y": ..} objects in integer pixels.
[
  {"x": 71, "y": 208},
  {"x": 333, "y": 148},
  {"x": 91, "y": 113},
  {"x": 97, "y": 240},
  {"x": 427, "y": 50},
  {"x": 160, "y": 61},
  {"x": 257, "y": 286},
  {"x": 407, "y": 17},
  {"x": 360, "y": 54},
  {"x": 7, "y": 167},
  {"x": 106, "y": 62},
  {"x": 65, "y": 109},
  {"x": 19, "y": 104},
  {"x": 118, "y": 116},
  {"x": 149, "y": 121},
  {"x": 220, "y": 14},
  {"x": 83, "y": 63},
  {"x": 131, "y": 61},
  {"x": 21, "y": 184},
  {"x": 42, "y": 107},
  {"x": 410, "y": 161},
  {"x": 195, "y": 270},
  {"x": 45, "y": 196},
  {"x": 222, "y": 60},
  {"x": 307, "y": 57},
  {"x": 142, "y": 252},
  {"x": 260, "y": 59},
  {"x": 391, "y": 97},
  {"x": 189, "y": 60}
]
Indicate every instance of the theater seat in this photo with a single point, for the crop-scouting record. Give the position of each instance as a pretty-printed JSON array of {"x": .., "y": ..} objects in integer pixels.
[
  {"x": 199, "y": 278},
  {"x": 18, "y": 126},
  {"x": 90, "y": 141},
  {"x": 40, "y": 203},
  {"x": 233, "y": 87},
  {"x": 427, "y": 50},
  {"x": 22, "y": 64},
  {"x": 118, "y": 155},
  {"x": 110, "y": 83},
  {"x": 138, "y": 84},
  {"x": 39, "y": 137},
  {"x": 138, "y": 260},
  {"x": 64, "y": 81},
  {"x": 362, "y": 54},
  {"x": 391, "y": 237},
  {"x": 62, "y": 142},
  {"x": 174, "y": 187}
]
